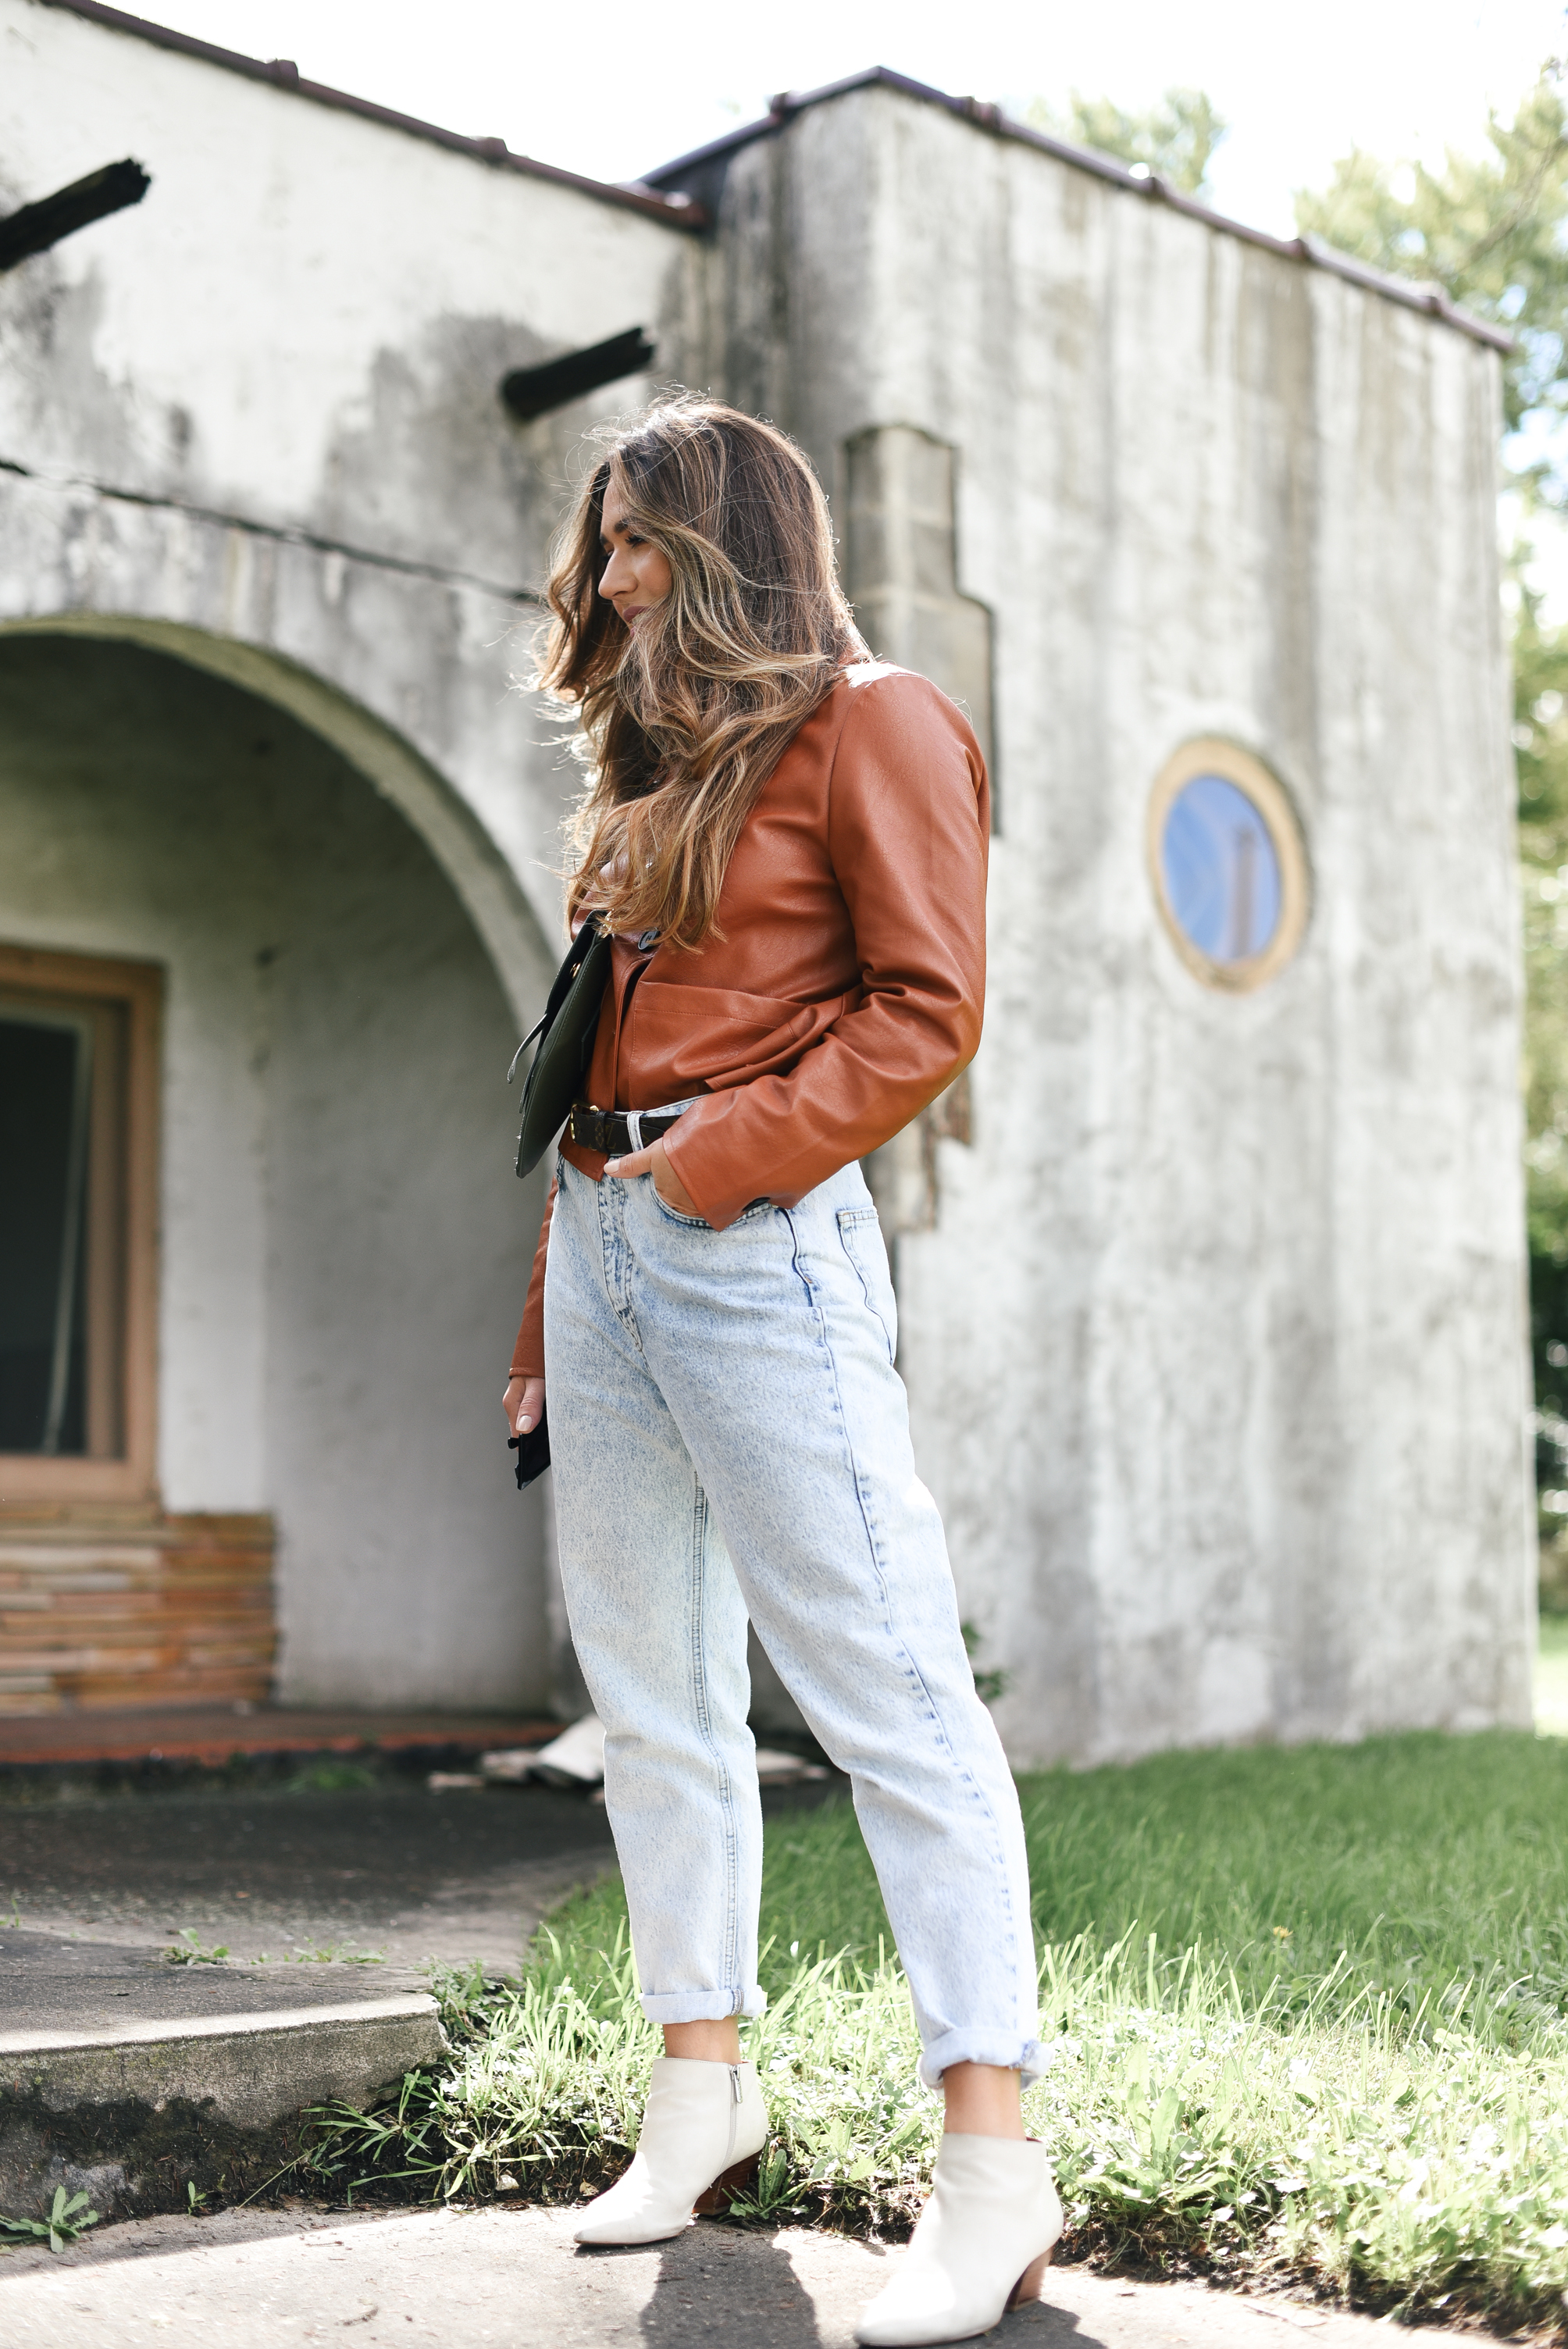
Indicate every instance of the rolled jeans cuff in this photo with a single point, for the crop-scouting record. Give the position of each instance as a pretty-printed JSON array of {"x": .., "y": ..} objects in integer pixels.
[
  {"x": 1024, "y": 2056},
  {"x": 704, "y": 2005}
]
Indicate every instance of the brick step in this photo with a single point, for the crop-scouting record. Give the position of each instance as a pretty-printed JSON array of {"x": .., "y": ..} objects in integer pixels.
[{"x": 104, "y": 1607}]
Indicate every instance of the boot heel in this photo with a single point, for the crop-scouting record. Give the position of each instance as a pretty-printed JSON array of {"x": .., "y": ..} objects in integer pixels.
[
  {"x": 741, "y": 2179},
  {"x": 1030, "y": 2283}
]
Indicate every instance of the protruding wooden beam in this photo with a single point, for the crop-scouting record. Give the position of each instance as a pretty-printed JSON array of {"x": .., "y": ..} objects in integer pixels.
[
  {"x": 533, "y": 391},
  {"x": 37, "y": 227}
]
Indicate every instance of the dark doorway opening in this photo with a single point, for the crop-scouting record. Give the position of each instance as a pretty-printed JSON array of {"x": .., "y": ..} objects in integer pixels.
[{"x": 45, "y": 1108}]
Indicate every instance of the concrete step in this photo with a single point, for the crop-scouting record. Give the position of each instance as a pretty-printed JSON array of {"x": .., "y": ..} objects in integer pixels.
[{"x": 136, "y": 2079}]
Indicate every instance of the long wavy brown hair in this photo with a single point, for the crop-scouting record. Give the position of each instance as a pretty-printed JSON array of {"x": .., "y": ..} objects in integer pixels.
[{"x": 684, "y": 719}]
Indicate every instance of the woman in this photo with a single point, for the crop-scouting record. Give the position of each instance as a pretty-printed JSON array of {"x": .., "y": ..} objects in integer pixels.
[{"x": 788, "y": 841}]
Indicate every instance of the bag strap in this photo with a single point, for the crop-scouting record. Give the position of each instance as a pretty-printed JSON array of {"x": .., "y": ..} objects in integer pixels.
[
  {"x": 561, "y": 987},
  {"x": 537, "y": 1029}
]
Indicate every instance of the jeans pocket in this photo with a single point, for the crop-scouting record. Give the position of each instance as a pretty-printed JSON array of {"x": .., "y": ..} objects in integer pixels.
[
  {"x": 750, "y": 1213},
  {"x": 672, "y": 1214},
  {"x": 861, "y": 1234}
]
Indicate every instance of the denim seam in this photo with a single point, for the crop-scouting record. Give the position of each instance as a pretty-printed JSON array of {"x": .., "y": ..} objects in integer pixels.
[
  {"x": 878, "y": 1563},
  {"x": 618, "y": 1260},
  {"x": 700, "y": 1517},
  {"x": 851, "y": 1219},
  {"x": 963, "y": 1776}
]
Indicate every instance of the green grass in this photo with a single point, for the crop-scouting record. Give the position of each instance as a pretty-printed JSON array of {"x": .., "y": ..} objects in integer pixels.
[
  {"x": 1305, "y": 2011},
  {"x": 1424, "y": 1858}
]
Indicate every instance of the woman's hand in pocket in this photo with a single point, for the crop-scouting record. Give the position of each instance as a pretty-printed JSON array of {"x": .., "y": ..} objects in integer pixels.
[
  {"x": 524, "y": 1403},
  {"x": 666, "y": 1182}
]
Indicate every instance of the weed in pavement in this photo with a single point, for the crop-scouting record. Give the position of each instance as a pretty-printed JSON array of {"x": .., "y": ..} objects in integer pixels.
[
  {"x": 190, "y": 1950},
  {"x": 68, "y": 2218}
]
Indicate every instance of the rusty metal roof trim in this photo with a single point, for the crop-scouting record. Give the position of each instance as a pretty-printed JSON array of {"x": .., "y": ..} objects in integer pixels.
[
  {"x": 1311, "y": 250},
  {"x": 673, "y": 211}
]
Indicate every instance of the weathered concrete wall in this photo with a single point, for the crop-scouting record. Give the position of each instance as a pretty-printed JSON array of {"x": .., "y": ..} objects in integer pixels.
[
  {"x": 343, "y": 1237},
  {"x": 257, "y": 428},
  {"x": 900, "y": 570},
  {"x": 1217, "y": 1353},
  {"x": 303, "y": 326},
  {"x": 1216, "y": 1348}
]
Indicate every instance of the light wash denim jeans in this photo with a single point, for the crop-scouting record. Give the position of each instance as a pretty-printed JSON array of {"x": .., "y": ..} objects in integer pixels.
[{"x": 731, "y": 1438}]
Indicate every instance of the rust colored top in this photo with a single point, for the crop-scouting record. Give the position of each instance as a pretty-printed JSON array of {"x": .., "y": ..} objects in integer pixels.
[{"x": 848, "y": 988}]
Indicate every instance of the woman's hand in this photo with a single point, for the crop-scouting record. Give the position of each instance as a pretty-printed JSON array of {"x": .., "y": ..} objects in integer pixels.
[
  {"x": 666, "y": 1182},
  {"x": 524, "y": 1403}
]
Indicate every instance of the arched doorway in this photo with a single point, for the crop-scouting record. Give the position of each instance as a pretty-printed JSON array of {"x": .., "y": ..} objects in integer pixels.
[{"x": 339, "y": 960}]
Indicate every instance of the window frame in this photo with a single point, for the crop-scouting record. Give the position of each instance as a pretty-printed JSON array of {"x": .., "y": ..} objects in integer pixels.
[
  {"x": 1213, "y": 754},
  {"x": 126, "y": 1209}
]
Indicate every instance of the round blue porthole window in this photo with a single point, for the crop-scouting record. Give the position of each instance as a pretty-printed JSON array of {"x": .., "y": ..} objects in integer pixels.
[{"x": 1229, "y": 866}]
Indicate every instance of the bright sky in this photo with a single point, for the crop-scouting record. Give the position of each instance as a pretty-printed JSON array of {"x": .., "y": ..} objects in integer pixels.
[{"x": 614, "y": 89}]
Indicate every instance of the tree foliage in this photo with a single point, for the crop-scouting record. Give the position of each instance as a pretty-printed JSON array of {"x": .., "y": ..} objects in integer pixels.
[
  {"x": 1541, "y": 748},
  {"x": 1175, "y": 139},
  {"x": 1489, "y": 229}
]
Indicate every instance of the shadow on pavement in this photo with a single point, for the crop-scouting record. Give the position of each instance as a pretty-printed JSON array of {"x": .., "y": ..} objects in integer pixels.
[{"x": 709, "y": 2286}]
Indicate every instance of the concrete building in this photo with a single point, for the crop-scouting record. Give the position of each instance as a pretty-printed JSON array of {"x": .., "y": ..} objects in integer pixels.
[{"x": 1211, "y": 1270}]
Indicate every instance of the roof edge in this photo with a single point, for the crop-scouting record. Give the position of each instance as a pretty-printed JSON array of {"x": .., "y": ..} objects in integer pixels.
[
  {"x": 673, "y": 212},
  {"x": 1311, "y": 250}
]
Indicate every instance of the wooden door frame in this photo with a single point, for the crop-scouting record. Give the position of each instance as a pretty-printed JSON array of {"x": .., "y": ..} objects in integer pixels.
[{"x": 138, "y": 988}]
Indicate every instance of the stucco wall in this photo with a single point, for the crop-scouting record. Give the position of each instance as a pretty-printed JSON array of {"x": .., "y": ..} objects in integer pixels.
[
  {"x": 343, "y": 1238},
  {"x": 1216, "y": 1351},
  {"x": 1217, "y": 1354},
  {"x": 303, "y": 326},
  {"x": 257, "y": 427}
]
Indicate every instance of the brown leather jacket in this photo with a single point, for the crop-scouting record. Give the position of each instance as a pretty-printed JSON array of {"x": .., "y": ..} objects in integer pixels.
[{"x": 848, "y": 988}]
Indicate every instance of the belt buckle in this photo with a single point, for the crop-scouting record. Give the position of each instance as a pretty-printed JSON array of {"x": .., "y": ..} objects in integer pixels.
[
  {"x": 602, "y": 1134},
  {"x": 600, "y": 1125}
]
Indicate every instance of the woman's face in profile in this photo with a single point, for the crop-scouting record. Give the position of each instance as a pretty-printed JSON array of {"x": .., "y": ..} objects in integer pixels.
[{"x": 637, "y": 575}]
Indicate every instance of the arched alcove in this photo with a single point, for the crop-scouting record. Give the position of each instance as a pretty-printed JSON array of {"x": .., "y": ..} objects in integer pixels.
[
  {"x": 484, "y": 883},
  {"x": 343, "y": 960}
]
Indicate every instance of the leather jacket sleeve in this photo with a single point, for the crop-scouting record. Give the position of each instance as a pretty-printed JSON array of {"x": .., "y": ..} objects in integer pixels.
[
  {"x": 527, "y": 1354},
  {"x": 908, "y": 833}
]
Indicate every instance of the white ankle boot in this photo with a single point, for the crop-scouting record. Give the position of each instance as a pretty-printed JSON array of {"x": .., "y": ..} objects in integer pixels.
[
  {"x": 980, "y": 2247},
  {"x": 703, "y": 2122}
]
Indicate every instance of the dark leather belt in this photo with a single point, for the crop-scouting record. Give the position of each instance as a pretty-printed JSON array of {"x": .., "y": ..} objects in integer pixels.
[{"x": 617, "y": 1133}]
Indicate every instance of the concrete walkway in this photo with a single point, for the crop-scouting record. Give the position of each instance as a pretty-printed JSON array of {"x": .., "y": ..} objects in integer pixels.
[
  {"x": 131, "y": 2077},
  {"x": 390, "y": 1869},
  {"x": 493, "y": 2279}
]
